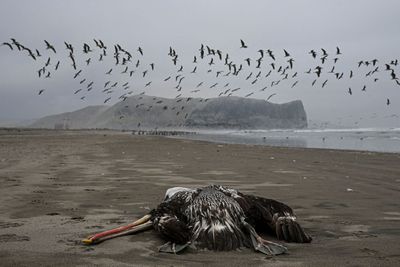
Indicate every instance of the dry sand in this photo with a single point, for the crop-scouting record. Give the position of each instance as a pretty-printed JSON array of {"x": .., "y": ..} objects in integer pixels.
[{"x": 59, "y": 187}]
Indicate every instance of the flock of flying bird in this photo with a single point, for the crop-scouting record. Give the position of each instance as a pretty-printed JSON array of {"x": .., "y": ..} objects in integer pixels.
[{"x": 269, "y": 68}]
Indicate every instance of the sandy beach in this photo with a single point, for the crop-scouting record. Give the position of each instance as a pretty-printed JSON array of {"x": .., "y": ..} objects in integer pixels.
[{"x": 58, "y": 187}]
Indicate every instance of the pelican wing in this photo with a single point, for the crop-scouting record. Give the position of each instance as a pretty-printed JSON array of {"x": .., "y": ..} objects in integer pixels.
[
  {"x": 274, "y": 216},
  {"x": 169, "y": 219}
]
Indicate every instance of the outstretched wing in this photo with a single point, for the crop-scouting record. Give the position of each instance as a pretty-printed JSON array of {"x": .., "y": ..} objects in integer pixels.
[
  {"x": 169, "y": 220},
  {"x": 269, "y": 214}
]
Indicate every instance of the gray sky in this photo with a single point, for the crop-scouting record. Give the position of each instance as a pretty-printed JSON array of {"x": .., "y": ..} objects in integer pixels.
[{"x": 363, "y": 29}]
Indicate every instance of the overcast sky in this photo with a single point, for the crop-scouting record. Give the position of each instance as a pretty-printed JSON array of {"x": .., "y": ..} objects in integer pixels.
[{"x": 363, "y": 29}]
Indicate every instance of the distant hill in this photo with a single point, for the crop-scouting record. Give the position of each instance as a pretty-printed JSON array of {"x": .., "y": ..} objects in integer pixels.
[
  {"x": 150, "y": 112},
  {"x": 244, "y": 113}
]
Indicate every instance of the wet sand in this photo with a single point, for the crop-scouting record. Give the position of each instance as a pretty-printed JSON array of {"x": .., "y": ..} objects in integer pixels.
[{"x": 58, "y": 187}]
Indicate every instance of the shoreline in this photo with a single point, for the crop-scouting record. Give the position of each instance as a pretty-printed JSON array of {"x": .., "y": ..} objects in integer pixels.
[
  {"x": 59, "y": 187},
  {"x": 194, "y": 135}
]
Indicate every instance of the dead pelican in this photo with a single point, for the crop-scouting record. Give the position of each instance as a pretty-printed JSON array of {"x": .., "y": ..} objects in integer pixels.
[{"x": 216, "y": 218}]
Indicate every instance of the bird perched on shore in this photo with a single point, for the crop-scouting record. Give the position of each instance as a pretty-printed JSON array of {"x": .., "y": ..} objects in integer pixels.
[{"x": 216, "y": 218}]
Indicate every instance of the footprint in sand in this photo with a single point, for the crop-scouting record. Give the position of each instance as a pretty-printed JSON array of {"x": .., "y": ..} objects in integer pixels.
[
  {"x": 330, "y": 205},
  {"x": 9, "y": 224},
  {"x": 13, "y": 238},
  {"x": 368, "y": 251},
  {"x": 357, "y": 231}
]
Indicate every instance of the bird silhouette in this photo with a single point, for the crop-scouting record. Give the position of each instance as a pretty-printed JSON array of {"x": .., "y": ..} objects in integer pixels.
[
  {"x": 313, "y": 53},
  {"x": 86, "y": 48},
  {"x": 47, "y": 62},
  {"x": 77, "y": 74},
  {"x": 242, "y": 44},
  {"x": 8, "y": 44},
  {"x": 270, "y": 53},
  {"x": 290, "y": 61},
  {"x": 49, "y": 46},
  {"x": 286, "y": 53}
]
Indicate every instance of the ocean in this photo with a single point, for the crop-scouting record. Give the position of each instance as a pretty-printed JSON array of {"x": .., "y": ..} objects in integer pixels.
[{"x": 361, "y": 139}]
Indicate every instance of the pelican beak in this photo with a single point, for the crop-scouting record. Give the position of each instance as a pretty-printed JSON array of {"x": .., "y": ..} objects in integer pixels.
[{"x": 142, "y": 224}]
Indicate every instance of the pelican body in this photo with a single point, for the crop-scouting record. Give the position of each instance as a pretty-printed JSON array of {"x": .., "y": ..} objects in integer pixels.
[{"x": 216, "y": 218}]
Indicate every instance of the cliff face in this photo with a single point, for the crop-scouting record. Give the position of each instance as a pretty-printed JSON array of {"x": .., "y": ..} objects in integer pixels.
[
  {"x": 243, "y": 113},
  {"x": 151, "y": 112}
]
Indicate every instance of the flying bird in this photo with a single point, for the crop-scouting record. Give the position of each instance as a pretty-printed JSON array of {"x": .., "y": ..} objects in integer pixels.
[
  {"x": 242, "y": 44},
  {"x": 313, "y": 53},
  {"x": 270, "y": 53},
  {"x": 8, "y": 44},
  {"x": 140, "y": 50},
  {"x": 290, "y": 61},
  {"x": 77, "y": 74},
  {"x": 49, "y": 46},
  {"x": 286, "y": 53},
  {"x": 86, "y": 48}
]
